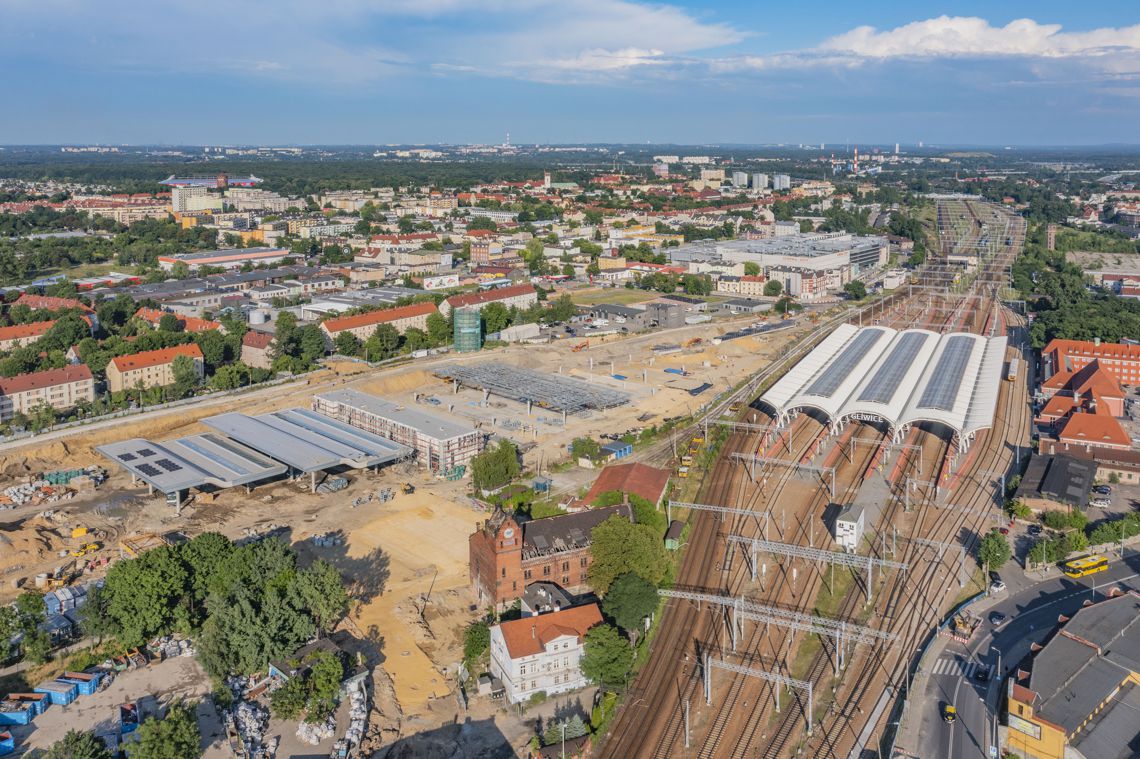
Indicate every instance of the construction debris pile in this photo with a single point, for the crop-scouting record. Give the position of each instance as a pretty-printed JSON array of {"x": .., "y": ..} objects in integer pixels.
[
  {"x": 328, "y": 540},
  {"x": 963, "y": 626},
  {"x": 169, "y": 647},
  {"x": 357, "y": 713},
  {"x": 251, "y": 720},
  {"x": 52, "y": 487},
  {"x": 314, "y": 734}
]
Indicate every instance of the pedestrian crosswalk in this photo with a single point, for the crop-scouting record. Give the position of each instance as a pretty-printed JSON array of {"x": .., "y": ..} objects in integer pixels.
[{"x": 959, "y": 667}]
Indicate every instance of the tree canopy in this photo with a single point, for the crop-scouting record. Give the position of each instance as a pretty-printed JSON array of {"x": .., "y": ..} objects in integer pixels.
[
  {"x": 630, "y": 600},
  {"x": 174, "y": 736},
  {"x": 608, "y": 657},
  {"x": 620, "y": 546},
  {"x": 994, "y": 550}
]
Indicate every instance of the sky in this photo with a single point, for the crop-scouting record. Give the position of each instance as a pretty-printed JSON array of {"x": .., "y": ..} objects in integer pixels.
[{"x": 299, "y": 72}]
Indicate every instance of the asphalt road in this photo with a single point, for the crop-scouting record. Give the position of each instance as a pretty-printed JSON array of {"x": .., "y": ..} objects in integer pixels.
[{"x": 1032, "y": 613}]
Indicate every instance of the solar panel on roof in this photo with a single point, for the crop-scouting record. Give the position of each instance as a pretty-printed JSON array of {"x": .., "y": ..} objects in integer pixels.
[
  {"x": 148, "y": 470},
  {"x": 127, "y": 456},
  {"x": 168, "y": 465},
  {"x": 843, "y": 364},
  {"x": 887, "y": 379},
  {"x": 147, "y": 452},
  {"x": 946, "y": 378}
]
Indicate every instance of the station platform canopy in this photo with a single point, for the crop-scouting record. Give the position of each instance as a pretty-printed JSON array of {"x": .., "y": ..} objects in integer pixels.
[
  {"x": 307, "y": 441},
  {"x": 898, "y": 377},
  {"x": 174, "y": 466}
]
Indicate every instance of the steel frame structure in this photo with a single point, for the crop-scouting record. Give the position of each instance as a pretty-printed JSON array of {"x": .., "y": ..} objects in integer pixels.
[
  {"x": 778, "y": 680},
  {"x": 808, "y": 554},
  {"x": 753, "y": 460}
]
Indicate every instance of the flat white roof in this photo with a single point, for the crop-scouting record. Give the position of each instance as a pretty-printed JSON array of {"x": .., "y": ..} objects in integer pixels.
[
  {"x": 902, "y": 377},
  {"x": 426, "y": 423},
  {"x": 191, "y": 462},
  {"x": 308, "y": 441}
]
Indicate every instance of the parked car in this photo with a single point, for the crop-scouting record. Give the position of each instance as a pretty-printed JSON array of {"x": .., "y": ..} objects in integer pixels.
[
  {"x": 1102, "y": 489},
  {"x": 1034, "y": 529},
  {"x": 982, "y": 675},
  {"x": 1100, "y": 503},
  {"x": 997, "y": 586},
  {"x": 997, "y": 619}
]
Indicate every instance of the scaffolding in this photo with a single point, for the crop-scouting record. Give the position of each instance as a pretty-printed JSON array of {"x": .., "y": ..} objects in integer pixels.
[{"x": 564, "y": 394}]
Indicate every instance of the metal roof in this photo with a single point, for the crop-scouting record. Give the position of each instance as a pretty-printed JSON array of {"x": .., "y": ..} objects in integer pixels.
[
  {"x": 191, "y": 462},
  {"x": 426, "y": 423},
  {"x": 308, "y": 441},
  {"x": 901, "y": 377}
]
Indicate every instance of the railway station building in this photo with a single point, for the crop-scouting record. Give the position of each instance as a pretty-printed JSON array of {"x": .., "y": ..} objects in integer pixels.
[
  {"x": 506, "y": 556},
  {"x": 897, "y": 378}
]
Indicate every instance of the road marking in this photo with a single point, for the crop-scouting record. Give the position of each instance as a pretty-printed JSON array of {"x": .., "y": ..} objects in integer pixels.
[{"x": 959, "y": 667}]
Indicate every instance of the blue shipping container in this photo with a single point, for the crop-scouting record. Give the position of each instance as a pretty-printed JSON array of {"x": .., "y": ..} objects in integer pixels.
[
  {"x": 59, "y": 693},
  {"x": 7, "y": 743}
]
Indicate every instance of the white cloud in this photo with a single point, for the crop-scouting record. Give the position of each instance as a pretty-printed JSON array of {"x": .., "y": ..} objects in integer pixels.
[{"x": 961, "y": 36}]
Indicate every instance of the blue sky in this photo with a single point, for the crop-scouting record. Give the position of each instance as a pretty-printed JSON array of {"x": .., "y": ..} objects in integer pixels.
[{"x": 429, "y": 71}]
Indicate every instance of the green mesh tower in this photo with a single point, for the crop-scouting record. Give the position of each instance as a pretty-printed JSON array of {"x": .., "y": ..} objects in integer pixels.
[{"x": 468, "y": 330}]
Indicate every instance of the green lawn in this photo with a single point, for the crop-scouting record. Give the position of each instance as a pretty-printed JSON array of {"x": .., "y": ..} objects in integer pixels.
[{"x": 619, "y": 295}]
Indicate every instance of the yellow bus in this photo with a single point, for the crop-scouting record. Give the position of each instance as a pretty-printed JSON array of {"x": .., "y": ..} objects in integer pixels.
[{"x": 1086, "y": 566}]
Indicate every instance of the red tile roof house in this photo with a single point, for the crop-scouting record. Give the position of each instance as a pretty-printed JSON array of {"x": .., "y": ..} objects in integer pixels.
[
  {"x": 363, "y": 325},
  {"x": 151, "y": 368},
  {"x": 59, "y": 388},
  {"x": 637, "y": 479},
  {"x": 256, "y": 349},
  {"x": 542, "y": 654},
  {"x": 153, "y": 317},
  {"x": 520, "y": 296}
]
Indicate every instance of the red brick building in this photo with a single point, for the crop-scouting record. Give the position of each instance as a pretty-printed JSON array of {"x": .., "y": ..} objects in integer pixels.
[{"x": 505, "y": 557}]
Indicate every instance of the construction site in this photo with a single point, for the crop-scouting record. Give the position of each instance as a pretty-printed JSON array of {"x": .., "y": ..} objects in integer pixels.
[
  {"x": 392, "y": 516},
  {"x": 835, "y": 528}
]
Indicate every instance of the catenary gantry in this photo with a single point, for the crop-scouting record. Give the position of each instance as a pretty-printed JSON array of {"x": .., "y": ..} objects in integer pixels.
[{"x": 898, "y": 377}]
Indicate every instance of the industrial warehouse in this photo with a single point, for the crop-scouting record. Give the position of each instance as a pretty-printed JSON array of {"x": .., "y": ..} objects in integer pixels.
[{"x": 898, "y": 377}]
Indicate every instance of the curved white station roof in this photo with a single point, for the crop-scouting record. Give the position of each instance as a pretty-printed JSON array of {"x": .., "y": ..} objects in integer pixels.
[{"x": 902, "y": 377}]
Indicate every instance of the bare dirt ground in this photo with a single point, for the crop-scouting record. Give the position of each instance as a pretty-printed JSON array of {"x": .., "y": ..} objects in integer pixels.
[{"x": 406, "y": 560}]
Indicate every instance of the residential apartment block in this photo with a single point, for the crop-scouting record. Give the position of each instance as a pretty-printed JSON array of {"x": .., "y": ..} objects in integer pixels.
[
  {"x": 363, "y": 325},
  {"x": 59, "y": 388},
  {"x": 519, "y": 296},
  {"x": 150, "y": 368},
  {"x": 542, "y": 653}
]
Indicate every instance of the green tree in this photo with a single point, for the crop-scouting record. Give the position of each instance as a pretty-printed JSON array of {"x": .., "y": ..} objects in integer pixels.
[
  {"x": 696, "y": 284},
  {"x": 213, "y": 346},
  {"x": 567, "y": 729},
  {"x": 567, "y": 270},
  {"x": 288, "y": 701},
  {"x": 855, "y": 289},
  {"x": 496, "y": 317},
  {"x": 585, "y": 448},
  {"x": 382, "y": 343},
  {"x": 482, "y": 222},
  {"x": 415, "y": 339},
  {"x": 629, "y": 600},
  {"x": 175, "y": 736},
  {"x": 620, "y": 546},
  {"x": 143, "y": 595},
  {"x": 322, "y": 593},
  {"x": 438, "y": 328},
  {"x": 476, "y": 640},
  {"x": 773, "y": 287},
  {"x": 9, "y": 627},
  {"x": 185, "y": 375},
  {"x": 994, "y": 550},
  {"x": 78, "y": 745},
  {"x": 312, "y": 344},
  {"x": 805, "y": 226},
  {"x": 325, "y": 676},
  {"x": 346, "y": 344},
  {"x": 495, "y": 466},
  {"x": 608, "y": 657},
  {"x": 169, "y": 323},
  {"x": 751, "y": 269},
  {"x": 562, "y": 309}
]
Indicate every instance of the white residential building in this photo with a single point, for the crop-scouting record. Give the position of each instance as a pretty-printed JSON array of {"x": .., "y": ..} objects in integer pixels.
[{"x": 542, "y": 653}]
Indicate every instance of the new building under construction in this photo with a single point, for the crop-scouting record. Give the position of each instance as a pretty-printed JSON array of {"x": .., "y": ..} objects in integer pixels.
[
  {"x": 551, "y": 391},
  {"x": 443, "y": 444}
]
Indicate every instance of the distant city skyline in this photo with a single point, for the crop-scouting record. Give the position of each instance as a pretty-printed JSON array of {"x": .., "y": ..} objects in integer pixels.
[{"x": 595, "y": 71}]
